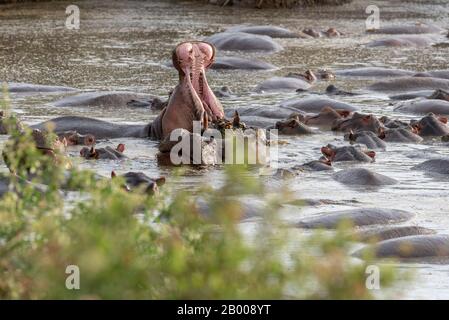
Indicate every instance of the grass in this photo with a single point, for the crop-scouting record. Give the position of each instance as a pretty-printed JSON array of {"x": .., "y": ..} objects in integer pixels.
[{"x": 132, "y": 245}]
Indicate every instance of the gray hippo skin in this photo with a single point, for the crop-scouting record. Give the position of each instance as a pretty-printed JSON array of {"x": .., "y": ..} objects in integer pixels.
[
  {"x": 292, "y": 126},
  {"x": 431, "y": 126},
  {"x": 440, "y": 166},
  {"x": 417, "y": 28},
  {"x": 316, "y": 104},
  {"x": 381, "y": 234},
  {"x": 271, "y": 31},
  {"x": 236, "y": 63},
  {"x": 440, "y": 107},
  {"x": 99, "y": 128},
  {"x": 412, "y": 95},
  {"x": 358, "y": 122},
  {"x": 403, "y": 41},
  {"x": 239, "y": 41},
  {"x": 410, "y": 84},
  {"x": 283, "y": 84},
  {"x": 109, "y": 153},
  {"x": 139, "y": 180},
  {"x": 363, "y": 177},
  {"x": 326, "y": 118},
  {"x": 315, "y": 165},
  {"x": 373, "y": 72},
  {"x": 347, "y": 153},
  {"x": 367, "y": 138},
  {"x": 15, "y": 87},
  {"x": 104, "y": 99},
  {"x": 357, "y": 217},
  {"x": 443, "y": 74},
  {"x": 400, "y": 135},
  {"x": 420, "y": 247}
]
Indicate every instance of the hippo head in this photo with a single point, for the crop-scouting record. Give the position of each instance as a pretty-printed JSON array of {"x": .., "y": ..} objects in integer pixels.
[
  {"x": 359, "y": 122},
  {"x": 326, "y": 117},
  {"x": 74, "y": 138},
  {"x": 192, "y": 100},
  {"x": 135, "y": 180},
  {"x": 292, "y": 126},
  {"x": 431, "y": 125}
]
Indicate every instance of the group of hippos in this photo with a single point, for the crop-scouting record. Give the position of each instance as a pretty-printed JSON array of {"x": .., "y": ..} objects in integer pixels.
[{"x": 425, "y": 94}]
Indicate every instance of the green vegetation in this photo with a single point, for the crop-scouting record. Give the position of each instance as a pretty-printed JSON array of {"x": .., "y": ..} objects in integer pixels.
[{"x": 131, "y": 245}]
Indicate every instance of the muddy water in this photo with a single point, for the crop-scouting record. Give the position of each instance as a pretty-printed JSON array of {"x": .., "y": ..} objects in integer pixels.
[{"x": 123, "y": 46}]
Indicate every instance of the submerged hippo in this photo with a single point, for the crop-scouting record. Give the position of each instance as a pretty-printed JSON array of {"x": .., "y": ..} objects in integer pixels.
[
  {"x": 234, "y": 63},
  {"x": 410, "y": 84},
  {"x": 373, "y": 72},
  {"x": 105, "y": 99},
  {"x": 333, "y": 90},
  {"x": 358, "y": 122},
  {"x": 283, "y": 83},
  {"x": 363, "y": 177},
  {"x": 439, "y": 95},
  {"x": 315, "y": 165},
  {"x": 271, "y": 31},
  {"x": 440, "y": 166},
  {"x": 347, "y": 153},
  {"x": 420, "y": 247},
  {"x": 404, "y": 41},
  {"x": 417, "y": 28},
  {"x": 436, "y": 106},
  {"x": 292, "y": 126},
  {"x": 367, "y": 138},
  {"x": 240, "y": 41},
  {"x": 326, "y": 118},
  {"x": 191, "y": 100},
  {"x": 103, "y": 153},
  {"x": 443, "y": 74},
  {"x": 357, "y": 217},
  {"x": 136, "y": 180},
  {"x": 381, "y": 234},
  {"x": 431, "y": 126},
  {"x": 316, "y": 104},
  {"x": 15, "y": 87},
  {"x": 73, "y": 138},
  {"x": 329, "y": 33},
  {"x": 405, "y": 135}
]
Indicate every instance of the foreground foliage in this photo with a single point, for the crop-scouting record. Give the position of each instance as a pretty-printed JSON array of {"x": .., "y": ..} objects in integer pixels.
[{"x": 131, "y": 245}]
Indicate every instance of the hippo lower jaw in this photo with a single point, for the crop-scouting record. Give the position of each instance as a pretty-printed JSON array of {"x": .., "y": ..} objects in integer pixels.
[{"x": 193, "y": 99}]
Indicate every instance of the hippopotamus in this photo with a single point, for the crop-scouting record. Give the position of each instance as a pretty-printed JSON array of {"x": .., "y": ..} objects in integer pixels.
[
  {"x": 393, "y": 123},
  {"x": 105, "y": 99},
  {"x": 191, "y": 100},
  {"x": 431, "y": 126},
  {"x": 412, "y": 95},
  {"x": 439, "y": 95},
  {"x": 292, "y": 126},
  {"x": 404, "y": 41},
  {"x": 329, "y": 33},
  {"x": 109, "y": 153},
  {"x": 400, "y": 135},
  {"x": 367, "y": 138},
  {"x": 347, "y": 153},
  {"x": 283, "y": 83},
  {"x": 235, "y": 63},
  {"x": 362, "y": 177},
  {"x": 440, "y": 166},
  {"x": 373, "y": 72},
  {"x": 240, "y": 41},
  {"x": 311, "y": 77},
  {"x": 136, "y": 180},
  {"x": 73, "y": 138},
  {"x": 443, "y": 74},
  {"x": 316, "y": 104},
  {"x": 415, "y": 248},
  {"x": 326, "y": 118},
  {"x": 14, "y": 87},
  {"x": 271, "y": 31},
  {"x": 436, "y": 106},
  {"x": 385, "y": 233},
  {"x": 315, "y": 165},
  {"x": 333, "y": 90},
  {"x": 417, "y": 28},
  {"x": 409, "y": 84},
  {"x": 358, "y": 122},
  {"x": 357, "y": 217}
]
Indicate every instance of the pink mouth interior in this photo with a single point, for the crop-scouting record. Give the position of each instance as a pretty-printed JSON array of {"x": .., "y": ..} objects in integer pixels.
[{"x": 192, "y": 59}]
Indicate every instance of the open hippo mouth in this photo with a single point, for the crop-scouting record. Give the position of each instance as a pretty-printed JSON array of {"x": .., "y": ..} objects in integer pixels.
[{"x": 191, "y": 59}]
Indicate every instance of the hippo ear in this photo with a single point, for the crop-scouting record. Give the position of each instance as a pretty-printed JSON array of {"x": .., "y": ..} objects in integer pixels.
[
  {"x": 89, "y": 140},
  {"x": 343, "y": 113},
  {"x": 160, "y": 181},
  {"x": 121, "y": 147},
  {"x": 371, "y": 154},
  {"x": 443, "y": 119},
  {"x": 381, "y": 133},
  {"x": 113, "y": 174},
  {"x": 293, "y": 123},
  {"x": 351, "y": 136},
  {"x": 366, "y": 118}
]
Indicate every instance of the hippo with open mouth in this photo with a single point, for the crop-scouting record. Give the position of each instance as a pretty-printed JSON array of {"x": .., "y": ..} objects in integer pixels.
[{"x": 191, "y": 100}]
